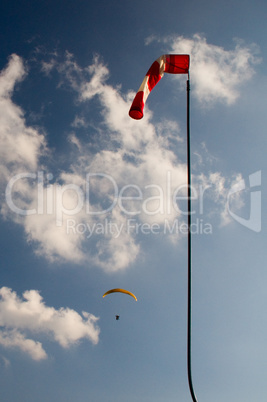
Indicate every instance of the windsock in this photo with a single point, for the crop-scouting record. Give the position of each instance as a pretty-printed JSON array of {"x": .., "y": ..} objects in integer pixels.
[{"x": 167, "y": 63}]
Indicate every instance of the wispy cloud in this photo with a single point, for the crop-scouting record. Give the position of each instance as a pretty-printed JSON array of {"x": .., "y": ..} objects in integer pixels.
[
  {"x": 20, "y": 317},
  {"x": 5, "y": 361}
]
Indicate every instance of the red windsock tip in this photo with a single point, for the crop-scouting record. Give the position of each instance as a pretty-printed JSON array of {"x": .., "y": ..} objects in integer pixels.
[
  {"x": 137, "y": 108},
  {"x": 136, "y": 114}
]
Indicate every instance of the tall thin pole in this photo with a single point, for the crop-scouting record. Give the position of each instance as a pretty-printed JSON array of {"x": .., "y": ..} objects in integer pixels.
[{"x": 189, "y": 300}]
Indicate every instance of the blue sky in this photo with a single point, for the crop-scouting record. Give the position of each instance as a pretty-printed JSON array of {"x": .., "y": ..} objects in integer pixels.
[{"x": 92, "y": 200}]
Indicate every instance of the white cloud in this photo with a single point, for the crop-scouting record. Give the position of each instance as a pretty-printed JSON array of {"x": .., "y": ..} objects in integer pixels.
[
  {"x": 215, "y": 188},
  {"x": 21, "y": 145},
  {"x": 117, "y": 248},
  {"x": 99, "y": 74},
  {"x": 13, "y": 73},
  {"x": 30, "y": 315},
  {"x": 14, "y": 339},
  {"x": 138, "y": 160},
  {"x": 52, "y": 241},
  {"x": 216, "y": 73}
]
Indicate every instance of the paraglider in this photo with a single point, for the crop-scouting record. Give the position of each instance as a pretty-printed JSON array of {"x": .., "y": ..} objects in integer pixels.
[{"x": 120, "y": 291}]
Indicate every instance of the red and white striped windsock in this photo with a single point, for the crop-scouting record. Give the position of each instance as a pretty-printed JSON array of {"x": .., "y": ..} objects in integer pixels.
[{"x": 167, "y": 63}]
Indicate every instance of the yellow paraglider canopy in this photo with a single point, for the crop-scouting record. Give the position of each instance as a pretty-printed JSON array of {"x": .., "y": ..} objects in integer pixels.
[{"x": 121, "y": 291}]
